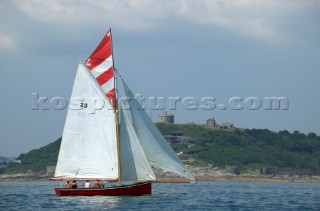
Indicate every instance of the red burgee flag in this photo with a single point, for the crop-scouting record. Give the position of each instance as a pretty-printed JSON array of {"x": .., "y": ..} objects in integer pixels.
[{"x": 100, "y": 63}]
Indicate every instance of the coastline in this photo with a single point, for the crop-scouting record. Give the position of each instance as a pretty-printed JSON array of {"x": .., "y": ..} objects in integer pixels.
[
  {"x": 239, "y": 178},
  {"x": 226, "y": 178},
  {"x": 259, "y": 179}
]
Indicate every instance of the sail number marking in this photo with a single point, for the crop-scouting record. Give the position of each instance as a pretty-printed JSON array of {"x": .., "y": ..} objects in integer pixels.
[{"x": 83, "y": 105}]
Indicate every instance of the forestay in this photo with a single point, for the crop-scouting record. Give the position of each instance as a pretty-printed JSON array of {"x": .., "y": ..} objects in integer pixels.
[{"x": 88, "y": 147}]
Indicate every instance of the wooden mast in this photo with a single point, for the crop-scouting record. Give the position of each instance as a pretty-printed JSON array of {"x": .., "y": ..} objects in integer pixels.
[
  {"x": 118, "y": 141},
  {"x": 117, "y": 117}
]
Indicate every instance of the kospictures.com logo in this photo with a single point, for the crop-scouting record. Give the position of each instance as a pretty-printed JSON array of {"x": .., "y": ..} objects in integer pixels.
[{"x": 163, "y": 103}]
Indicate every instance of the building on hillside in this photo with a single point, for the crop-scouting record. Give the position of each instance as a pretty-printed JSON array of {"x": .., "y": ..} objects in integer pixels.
[
  {"x": 211, "y": 123},
  {"x": 179, "y": 138},
  {"x": 5, "y": 161},
  {"x": 226, "y": 125},
  {"x": 166, "y": 118}
]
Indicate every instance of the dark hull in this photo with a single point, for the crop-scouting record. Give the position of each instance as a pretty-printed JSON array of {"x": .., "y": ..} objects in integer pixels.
[{"x": 135, "y": 189}]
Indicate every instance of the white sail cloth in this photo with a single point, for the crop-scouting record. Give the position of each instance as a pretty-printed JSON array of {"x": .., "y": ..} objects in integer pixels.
[
  {"x": 134, "y": 164},
  {"x": 157, "y": 150},
  {"x": 88, "y": 148}
]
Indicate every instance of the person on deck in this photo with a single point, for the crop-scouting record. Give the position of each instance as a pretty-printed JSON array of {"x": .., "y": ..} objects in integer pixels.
[
  {"x": 87, "y": 184},
  {"x": 67, "y": 185},
  {"x": 73, "y": 184},
  {"x": 97, "y": 184}
]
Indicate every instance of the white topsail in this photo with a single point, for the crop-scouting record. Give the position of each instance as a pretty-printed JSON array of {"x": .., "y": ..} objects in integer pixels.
[
  {"x": 157, "y": 150},
  {"x": 88, "y": 148}
]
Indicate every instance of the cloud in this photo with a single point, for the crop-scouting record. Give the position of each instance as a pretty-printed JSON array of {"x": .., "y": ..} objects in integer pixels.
[
  {"x": 46, "y": 10},
  {"x": 251, "y": 19},
  {"x": 6, "y": 42},
  {"x": 248, "y": 18}
]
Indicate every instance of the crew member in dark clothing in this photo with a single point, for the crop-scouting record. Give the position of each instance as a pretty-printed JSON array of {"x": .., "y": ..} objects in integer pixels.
[{"x": 73, "y": 184}]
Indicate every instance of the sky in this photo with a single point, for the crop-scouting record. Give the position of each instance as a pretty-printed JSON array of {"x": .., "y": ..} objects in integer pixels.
[{"x": 232, "y": 54}]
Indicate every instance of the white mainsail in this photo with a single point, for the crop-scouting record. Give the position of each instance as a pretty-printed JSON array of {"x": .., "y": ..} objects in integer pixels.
[
  {"x": 134, "y": 164},
  {"x": 88, "y": 148},
  {"x": 157, "y": 150}
]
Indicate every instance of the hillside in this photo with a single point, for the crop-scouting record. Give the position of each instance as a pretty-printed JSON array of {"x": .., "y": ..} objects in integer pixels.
[
  {"x": 251, "y": 149},
  {"x": 36, "y": 160},
  {"x": 248, "y": 149}
]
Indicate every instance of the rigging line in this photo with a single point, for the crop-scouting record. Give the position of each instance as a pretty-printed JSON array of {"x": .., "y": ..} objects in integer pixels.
[
  {"x": 116, "y": 87},
  {"x": 119, "y": 90},
  {"x": 117, "y": 72}
]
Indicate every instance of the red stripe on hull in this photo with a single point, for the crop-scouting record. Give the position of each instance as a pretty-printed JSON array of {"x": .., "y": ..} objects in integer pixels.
[{"x": 136, "y": 189}]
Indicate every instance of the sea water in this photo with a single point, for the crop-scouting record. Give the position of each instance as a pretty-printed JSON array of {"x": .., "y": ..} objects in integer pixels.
[{"x": 165, "y": 196}]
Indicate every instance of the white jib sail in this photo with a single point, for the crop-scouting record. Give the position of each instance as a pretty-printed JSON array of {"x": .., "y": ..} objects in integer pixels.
[
  {"x": 88, "y": 148},
  {"x": 157, "y": 150},
  {"x": 134, "y": 164}
]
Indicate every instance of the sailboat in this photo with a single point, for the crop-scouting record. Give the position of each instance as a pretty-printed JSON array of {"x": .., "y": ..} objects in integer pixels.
[{"x": 103, "y": 140}]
